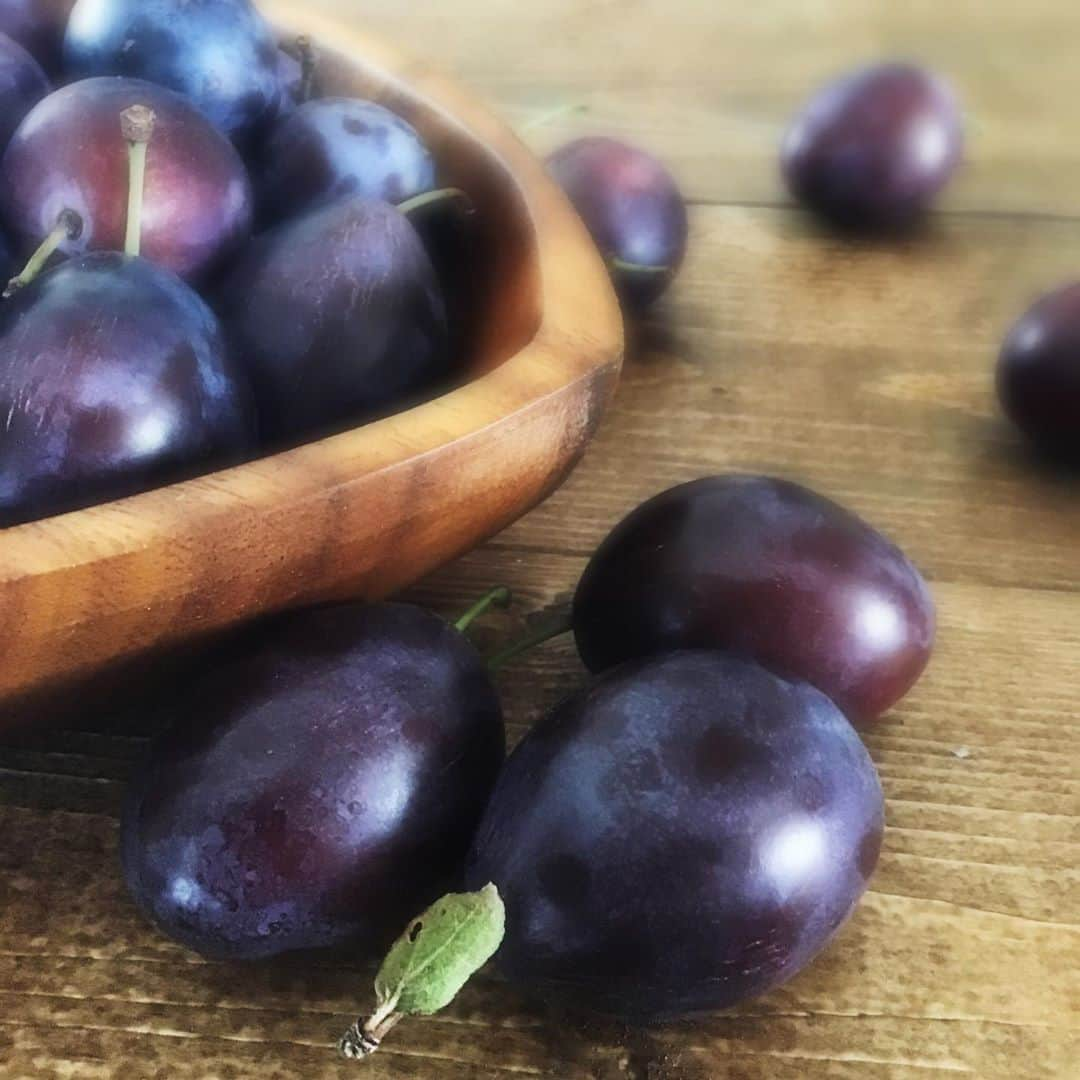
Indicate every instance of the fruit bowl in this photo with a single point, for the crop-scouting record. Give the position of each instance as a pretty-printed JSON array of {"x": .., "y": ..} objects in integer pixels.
[{"x": 365, "y": 512}]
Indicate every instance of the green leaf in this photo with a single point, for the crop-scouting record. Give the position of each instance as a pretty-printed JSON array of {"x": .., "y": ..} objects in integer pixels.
[{"x": 439, "y": 951}]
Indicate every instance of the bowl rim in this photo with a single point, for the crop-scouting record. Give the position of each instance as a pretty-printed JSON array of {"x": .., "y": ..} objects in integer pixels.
[{"x": 27, "y": 548}]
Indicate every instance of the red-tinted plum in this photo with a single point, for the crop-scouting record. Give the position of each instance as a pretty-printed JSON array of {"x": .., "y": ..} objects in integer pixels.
[
  {"x": 332, "y": 147},
  {"x": 632, "y": 207},
  {"x": 872, "y": 149},
  {"x": 22, "y": 85},
  {"x": 337, "y": 317},
  {"x": 317, "y": 788},
  {"x": 221, "y": 54},
  {"x": 38, "y": 26},
  {"x": 686, "y": 833},
  {"x": 1038, "y": 373},
  {"x": 115, "y": 378},
  {"x": 70, "y": 154},
  {"x": 768, "y": 569}
]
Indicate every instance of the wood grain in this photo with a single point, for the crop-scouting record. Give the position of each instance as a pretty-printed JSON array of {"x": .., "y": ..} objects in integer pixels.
[{"x": 863, "y": 370}]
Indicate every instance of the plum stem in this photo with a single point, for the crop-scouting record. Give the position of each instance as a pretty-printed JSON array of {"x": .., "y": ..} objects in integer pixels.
[
  {"x": 69, "y": 226},
  {"x": 551, "y": 115},
  {"x": 626, "y": 267},
  {"x": 365, "y": 1036},
  {"x": 561, "y": 624},
  {"x": 305, "y": 51},
  {"x": 427, "y": 198},
  {"x": 500, "y": 596},
  {"x": 137, "y": 125}
]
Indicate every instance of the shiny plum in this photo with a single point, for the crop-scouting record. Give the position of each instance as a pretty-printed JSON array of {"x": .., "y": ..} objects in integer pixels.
[
  {"x": 873, "y": 149},
  {"x": 332, "y": 147},
  {"x": 687, "y": 832},
  {"x": 221, "y": 54},
  {"x": 1038, "y": 375},
  {"x": 38, "y": 26},
  {"x": 22, "y": 85},
  {"x": 632, "y": 206},
  {"x": 768, "y": 569},
  {"x": 115, "y": 379},
  {"x": 337, "y": 317},
  {"x": 318, "y": 787},
  {"x": 69, "y": 154}
]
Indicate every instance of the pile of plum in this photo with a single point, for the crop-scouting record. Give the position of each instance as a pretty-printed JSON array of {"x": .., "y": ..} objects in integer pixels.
[
  {"x": 218, "y": 262},
  {"x": 218, "y": 265}
]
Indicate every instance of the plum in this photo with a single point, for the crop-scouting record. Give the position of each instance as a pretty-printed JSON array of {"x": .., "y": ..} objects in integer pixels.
[
  {"x": 317, "y": 787},
  {"x": 69, "y": 154},
  {"x": 38, "y": 26},
  {"x": 633, "y": 209},
  {"x": 766, "y": 568},
  {"x": 331, "y": 147},
  {"x": 685, "y": 833},
  {"x": 219, "y": 53},
  {"x": 115, "y": 378},
  {"x": 872, "y": 149},
  {"x": 1038, "y": 374},
  {"x": 337, "y": 317},
  {"x": 22, "y": 85}
]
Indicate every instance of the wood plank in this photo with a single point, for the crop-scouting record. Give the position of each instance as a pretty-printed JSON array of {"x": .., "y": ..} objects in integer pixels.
[
  {"x": 712, "y": 87},
  {"x": 843, "y": 365}
]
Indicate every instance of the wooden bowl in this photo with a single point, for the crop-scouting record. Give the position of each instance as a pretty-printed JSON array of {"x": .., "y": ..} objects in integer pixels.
[{"x": 367, "y": 512}]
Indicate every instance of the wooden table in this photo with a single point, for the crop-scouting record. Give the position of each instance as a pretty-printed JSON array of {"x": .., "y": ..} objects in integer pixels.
[{"x": 862, "y": 370}]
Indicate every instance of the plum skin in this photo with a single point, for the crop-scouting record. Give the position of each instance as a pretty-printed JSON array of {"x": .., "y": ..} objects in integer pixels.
[
  {"x": 632, "y": 208},
  {"x": 38, "y": 26},
  {"x": 320, "y": 786},
  {"x": 115, "y": 379},
  {"x": 69, "y": 153},
  {"x": 221, "y": 54},
  {"x": 872, "y": 149},
  {"x": 337, "y": 317},
  {"x": 768, "y": 569},
  {"x": 1038, "y": 374},
  {"x": 685, "y": 833},
  {"x": 333, "y": 147},
  {"x": 23, "y": 84}
]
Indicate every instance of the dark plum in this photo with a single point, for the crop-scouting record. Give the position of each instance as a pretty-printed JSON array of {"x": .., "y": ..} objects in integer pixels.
[
  {"x": 332, "y": 147},
  {"x": 69, "y": 154},
  {"x": 686, "y": 833},
  {"x": 22, "y": 85},
  {"x": 221, "y": 54},
  {"x": 632, "y": 206},
  {"x": 768, "y": 569},
  {"x": 1038, "y": 375},
  {"x": 115, "y": 379},
  {"x": 337, "y": 316},
  {"x": 38, "y": 26},
  {"x": 318, "y": 787},
  {"x": 872, "y": 149}
]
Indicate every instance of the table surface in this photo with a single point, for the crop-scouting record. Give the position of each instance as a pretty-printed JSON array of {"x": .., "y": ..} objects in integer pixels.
[{"x": 864, "y": 371}]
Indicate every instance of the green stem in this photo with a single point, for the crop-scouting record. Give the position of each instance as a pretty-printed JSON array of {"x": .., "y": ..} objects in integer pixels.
[
  {"x": 561, "y": 624},
  {"x": 305, "y": 51},
  {"x": 497, "y": 597},
  {"x": 636, "y": 268},
  {"x": 427, "y": 198},
  {"x": 551, "y": 115},
  {"x": 69, "y": 226},
  {"x": 137, "y": 125}
]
